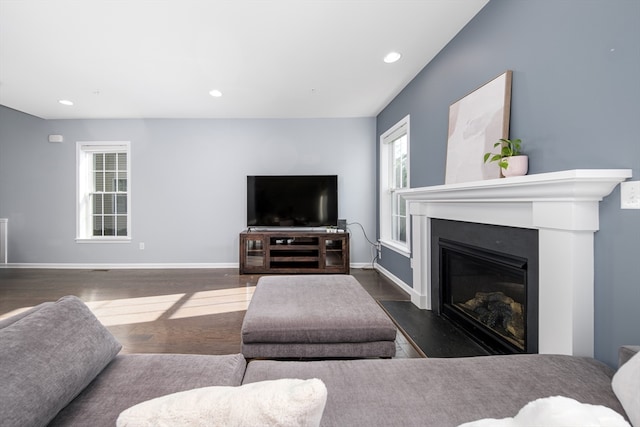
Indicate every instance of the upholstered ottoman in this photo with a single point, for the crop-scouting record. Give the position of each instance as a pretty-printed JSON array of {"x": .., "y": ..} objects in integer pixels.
[{"x": 315, "y": 316}]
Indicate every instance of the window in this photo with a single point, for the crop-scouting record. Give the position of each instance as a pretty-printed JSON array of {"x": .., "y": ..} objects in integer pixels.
[
  {"x": 103, "y": 191},
  {"x": 394, "y": 176}
]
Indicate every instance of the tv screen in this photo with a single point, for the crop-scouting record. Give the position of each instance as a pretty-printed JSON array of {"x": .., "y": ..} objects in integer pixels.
[{"x": 292, "y": 201}]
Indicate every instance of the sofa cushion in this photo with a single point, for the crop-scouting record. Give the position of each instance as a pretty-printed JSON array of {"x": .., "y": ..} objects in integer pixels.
[
  {"x": 626, "y": 385},
  {"x": 284, "y": 402},
  {"x": 49, "y": 356},
  {"x": 133, "y": 378},
  {"x": 314, "y": 309},
  {"x": 443, "y": 392},
  {"x": 320, "y": 350}
]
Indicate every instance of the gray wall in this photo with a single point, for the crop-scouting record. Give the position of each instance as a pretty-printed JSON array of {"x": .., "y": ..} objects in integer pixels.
[
  {"x": 575, "y": 104},
  {"x": 188, "y": 183}
]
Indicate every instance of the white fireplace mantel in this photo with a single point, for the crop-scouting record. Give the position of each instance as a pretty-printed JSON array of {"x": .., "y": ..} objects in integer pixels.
[{"x": 562, "y": 206}]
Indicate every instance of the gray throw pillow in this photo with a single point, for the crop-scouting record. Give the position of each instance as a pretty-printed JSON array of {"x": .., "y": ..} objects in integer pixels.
[{"x": 47, "y": 358}]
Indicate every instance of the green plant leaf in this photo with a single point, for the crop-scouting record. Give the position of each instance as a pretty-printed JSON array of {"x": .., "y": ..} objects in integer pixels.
[{"x": 508, "y": 148}]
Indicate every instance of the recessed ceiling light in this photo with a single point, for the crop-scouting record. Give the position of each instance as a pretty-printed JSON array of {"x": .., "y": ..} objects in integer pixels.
[
  {"x": 215, "y": 93},
  {"x": 392, "y": 57},
  {"x": 65, "y": 102}
]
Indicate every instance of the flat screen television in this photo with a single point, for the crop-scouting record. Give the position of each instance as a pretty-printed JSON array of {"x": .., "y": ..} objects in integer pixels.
[{"x": 292, "y": 200}]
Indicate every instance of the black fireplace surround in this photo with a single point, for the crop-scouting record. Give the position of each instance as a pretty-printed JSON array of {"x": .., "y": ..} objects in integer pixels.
[{"x": 485, "y": 281}]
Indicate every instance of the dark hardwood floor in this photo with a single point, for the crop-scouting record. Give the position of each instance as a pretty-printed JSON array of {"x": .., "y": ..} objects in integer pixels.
[{"x": 165, "y": 311}]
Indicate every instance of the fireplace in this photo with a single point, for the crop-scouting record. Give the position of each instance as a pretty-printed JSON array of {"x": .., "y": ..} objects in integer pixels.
[
  {"x": 562, "y": 208},
  {"x": 487, "y": 283}
]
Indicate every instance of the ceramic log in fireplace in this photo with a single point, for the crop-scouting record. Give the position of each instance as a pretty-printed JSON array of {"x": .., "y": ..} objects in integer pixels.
[{"x": 487, "y": 278}]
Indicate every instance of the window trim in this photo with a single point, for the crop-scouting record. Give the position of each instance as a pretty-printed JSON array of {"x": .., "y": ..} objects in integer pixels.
[
  {"x": 385, "y": 196},
  {"x": 84, "y": 149}
]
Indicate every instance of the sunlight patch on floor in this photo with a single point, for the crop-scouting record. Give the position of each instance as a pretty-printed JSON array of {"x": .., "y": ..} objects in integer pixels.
[
  {"x": 14, "y": 312},
  {"x": 125, "y": 311},
  {"x": 215, "y": 302}
]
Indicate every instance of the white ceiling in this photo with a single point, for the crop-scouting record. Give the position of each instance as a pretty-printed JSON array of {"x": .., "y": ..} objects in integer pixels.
[{"x": 269, "y": 58}]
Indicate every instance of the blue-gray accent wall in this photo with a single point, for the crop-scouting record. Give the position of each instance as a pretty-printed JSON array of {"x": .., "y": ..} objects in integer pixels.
[
  {"x": 576, "y": 105},
  {"x": 397, "y": 264}
]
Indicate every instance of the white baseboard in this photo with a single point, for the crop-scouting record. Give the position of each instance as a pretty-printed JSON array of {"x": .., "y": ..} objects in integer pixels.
[
  {"x": 362, "y": 265},
  {"x": 142, "y": 266}
]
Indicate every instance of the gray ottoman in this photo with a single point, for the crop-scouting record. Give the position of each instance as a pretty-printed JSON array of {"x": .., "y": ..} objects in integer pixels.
[{"x": 315, "y": 316}]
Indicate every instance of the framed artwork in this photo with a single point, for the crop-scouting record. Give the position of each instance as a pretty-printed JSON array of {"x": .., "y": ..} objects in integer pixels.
[{"x": 476, "y": 122}]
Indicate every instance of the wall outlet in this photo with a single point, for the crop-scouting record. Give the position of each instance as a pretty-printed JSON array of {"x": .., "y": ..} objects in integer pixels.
[
  {"x": 141, "y": 246},
  {"x": 379, "y": 250},
  {"x": 630, "y": 195}
]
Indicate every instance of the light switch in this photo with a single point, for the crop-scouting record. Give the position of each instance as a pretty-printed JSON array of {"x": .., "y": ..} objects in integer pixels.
[{"x": 630, "y": 195}]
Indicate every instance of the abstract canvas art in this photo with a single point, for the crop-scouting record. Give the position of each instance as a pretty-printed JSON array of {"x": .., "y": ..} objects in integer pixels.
[{"x": 476, "y": 122}]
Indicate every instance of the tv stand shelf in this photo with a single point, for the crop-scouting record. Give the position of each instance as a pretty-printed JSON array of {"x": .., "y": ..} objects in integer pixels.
[{"x": 292, "y": 252}]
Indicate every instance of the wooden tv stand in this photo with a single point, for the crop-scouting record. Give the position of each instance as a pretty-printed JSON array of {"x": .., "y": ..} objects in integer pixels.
[{"x": 292, "y": 252}]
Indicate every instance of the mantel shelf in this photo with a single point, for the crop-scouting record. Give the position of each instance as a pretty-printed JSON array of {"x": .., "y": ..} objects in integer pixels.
[{"x": 570, "y": 185}]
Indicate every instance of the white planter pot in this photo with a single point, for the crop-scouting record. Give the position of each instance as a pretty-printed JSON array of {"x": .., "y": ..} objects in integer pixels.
[{"x": 517, "y": 166}]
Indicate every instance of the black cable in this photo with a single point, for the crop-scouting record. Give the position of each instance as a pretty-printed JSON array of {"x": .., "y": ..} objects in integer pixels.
[
  {"x": 373, "y": 244},
  {"x": 365, "y": 233}
]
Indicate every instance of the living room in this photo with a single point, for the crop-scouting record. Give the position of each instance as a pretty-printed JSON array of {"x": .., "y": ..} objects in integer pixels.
[
  {"x": 574, "y": 95},
  {"x": 574, "y": 90}
]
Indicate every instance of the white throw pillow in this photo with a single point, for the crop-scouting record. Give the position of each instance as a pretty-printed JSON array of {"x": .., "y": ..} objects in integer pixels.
[
  {"x": 284, "y": 402},
  {"x": 626, "y": 386},
  {"x": 557, "y": 411}
]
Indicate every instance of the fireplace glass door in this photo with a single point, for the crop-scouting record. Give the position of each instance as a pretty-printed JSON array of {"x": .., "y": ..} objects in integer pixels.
[{"x": 484, "y": 292}]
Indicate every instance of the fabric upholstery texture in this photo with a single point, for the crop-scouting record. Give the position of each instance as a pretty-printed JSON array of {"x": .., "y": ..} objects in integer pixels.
[
  {"x": 314, "y": 309},
  {"x": 134, "y": 378},
  {"x": 319, "y": 351},
  {"x": 626, "y": 385},
  {"x": 47, "y": 357},
  {"x": 443, "y": 392},
  {"x": 306, "y": 311},
  {"x": 278, "y": 403},
  {"x": 13, "y": 319}
]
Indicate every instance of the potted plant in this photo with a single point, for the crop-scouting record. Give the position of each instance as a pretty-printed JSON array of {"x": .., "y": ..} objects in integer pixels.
[{"x": 510, "y": 159}]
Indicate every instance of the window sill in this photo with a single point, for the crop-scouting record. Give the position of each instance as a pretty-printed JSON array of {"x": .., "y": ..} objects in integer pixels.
[
  {"x": 104, "y": 240},
  {"x": 396, "y": 247}
]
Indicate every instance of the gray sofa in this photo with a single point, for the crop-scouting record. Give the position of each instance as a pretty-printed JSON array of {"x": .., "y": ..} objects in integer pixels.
[{"x": 59, "y": 366}]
